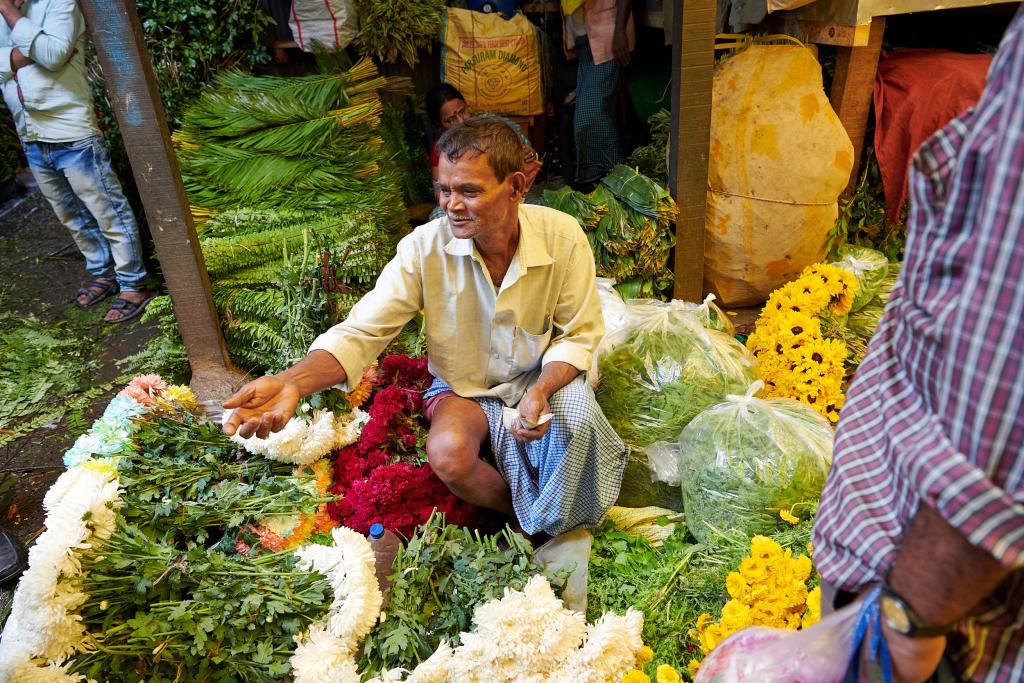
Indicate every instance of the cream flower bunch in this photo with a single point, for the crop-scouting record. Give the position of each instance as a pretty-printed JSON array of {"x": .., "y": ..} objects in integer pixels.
[
  {"x": 43, "y": 629},
  {"x": 326, "y": 653},
  {"x": 529, "y": 637},
  {"x": 303, "y": 441}
]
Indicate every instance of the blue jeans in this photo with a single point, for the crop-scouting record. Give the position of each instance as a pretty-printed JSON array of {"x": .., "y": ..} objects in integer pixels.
[{"x": 79, "y": 182}]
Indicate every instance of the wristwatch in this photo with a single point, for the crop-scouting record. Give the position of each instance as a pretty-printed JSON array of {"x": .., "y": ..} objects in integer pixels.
[{"x": 901, "y": 617}]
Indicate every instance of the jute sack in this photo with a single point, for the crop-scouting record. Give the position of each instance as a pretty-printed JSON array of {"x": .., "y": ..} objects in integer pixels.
[
  {"x": 779, "y": 158},
  {"x": 494, "y": 62}
]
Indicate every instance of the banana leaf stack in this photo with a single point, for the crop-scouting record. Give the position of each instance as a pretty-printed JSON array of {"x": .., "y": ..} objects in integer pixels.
[
  {"x": 576, "y": 204},
  {"x": 629, "y": 220},
  {"x": 280, "y": 171}
]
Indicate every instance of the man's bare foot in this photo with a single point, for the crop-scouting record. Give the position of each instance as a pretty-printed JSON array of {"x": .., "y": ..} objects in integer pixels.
[{"x": 128, "y": 305}]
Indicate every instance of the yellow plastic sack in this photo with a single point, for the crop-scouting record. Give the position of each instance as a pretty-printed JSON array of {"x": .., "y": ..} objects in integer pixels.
[
  {"x": 779, "y": 158},
  {"x": 494, "y": 62}
]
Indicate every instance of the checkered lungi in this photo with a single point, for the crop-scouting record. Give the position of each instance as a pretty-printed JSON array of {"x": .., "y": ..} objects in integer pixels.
[
  {"x": 595, "y": 123},
  {"x": 569, "y": 477}
]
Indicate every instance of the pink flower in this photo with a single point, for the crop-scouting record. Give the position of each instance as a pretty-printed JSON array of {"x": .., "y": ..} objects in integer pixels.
[
  {"x": 137, "y": 393},
  {"x": 151, "y": 384}
]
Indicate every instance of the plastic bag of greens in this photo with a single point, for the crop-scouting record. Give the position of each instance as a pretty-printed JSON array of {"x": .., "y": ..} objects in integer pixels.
[
  {"x": 651, "y": 478},
  {"x": 748, "y": 460},
  {"x": 663, "y": 369},
  {"x": 870, "y": 267}
]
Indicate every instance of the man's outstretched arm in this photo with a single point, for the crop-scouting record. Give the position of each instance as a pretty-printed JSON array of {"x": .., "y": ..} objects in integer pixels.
[{"x": 266, "y": 404}]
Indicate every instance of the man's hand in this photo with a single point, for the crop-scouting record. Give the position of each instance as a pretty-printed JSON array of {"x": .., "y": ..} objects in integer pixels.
[
  {"x": 18, "y": 60},
  {"x": 914, "y": 660},
  {"x": 533, "y": 404},
  {"x": 262, "y": 406}
]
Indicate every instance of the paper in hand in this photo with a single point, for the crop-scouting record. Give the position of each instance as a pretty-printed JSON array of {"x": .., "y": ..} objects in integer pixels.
[{"x": 511, "y": 414}]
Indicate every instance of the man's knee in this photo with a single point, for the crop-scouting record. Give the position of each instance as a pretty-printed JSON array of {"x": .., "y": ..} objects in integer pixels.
[
  {"x": 451, "y": 455},
  {"x": 575, "y": 409}
]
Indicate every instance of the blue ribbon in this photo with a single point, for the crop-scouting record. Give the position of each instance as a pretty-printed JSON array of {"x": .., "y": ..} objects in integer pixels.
[{"x": 869, "y": 618}]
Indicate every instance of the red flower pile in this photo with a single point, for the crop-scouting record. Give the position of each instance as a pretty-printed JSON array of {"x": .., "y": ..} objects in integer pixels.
[{"x": 385, "y": 477}]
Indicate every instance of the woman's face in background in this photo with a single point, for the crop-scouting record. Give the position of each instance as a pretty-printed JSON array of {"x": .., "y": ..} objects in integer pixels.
[{"x": 453, "y": 112}]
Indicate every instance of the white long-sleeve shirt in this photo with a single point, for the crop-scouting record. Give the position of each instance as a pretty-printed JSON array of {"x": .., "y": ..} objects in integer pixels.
[
  {"x": 50, "y": 99},
  {"x": 482, "y": 342}
]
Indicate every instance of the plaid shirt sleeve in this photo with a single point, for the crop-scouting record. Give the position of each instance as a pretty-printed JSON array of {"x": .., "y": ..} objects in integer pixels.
[{"x": 935, "y": 414}]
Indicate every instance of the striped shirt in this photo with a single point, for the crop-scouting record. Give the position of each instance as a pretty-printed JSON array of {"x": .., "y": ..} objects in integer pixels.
[{"x": 935, "y": 414}]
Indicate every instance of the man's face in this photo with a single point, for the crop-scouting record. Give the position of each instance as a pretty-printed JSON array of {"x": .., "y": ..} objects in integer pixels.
[{"x": 477, "y": 204}]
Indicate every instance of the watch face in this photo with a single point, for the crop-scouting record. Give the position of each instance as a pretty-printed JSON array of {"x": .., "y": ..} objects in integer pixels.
[{"x": 895, "y": 614}]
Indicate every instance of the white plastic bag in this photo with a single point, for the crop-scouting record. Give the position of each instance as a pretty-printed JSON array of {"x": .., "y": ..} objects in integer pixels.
[
  {"x": 330, "y": 24},
  {"x": 744, "y": 461},
  {"x": 822, "y": 653}
]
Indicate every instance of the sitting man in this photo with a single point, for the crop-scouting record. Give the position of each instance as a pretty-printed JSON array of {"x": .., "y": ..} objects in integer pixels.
[{"x": 512, "y": 318}]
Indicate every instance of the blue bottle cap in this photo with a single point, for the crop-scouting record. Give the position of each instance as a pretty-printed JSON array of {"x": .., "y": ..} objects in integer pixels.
[{"x": 376, "y": 531}]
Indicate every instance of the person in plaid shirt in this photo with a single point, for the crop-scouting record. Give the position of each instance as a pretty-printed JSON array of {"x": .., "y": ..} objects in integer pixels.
[{"x": 926, "y": 494}]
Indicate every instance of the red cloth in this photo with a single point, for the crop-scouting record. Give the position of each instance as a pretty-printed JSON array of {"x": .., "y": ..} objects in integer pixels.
[{"x": 917, "y": 92}]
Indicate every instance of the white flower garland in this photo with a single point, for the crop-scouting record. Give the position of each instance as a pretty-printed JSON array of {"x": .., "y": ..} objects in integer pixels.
[
  {"x": 529, "y": 637},
  {"x": 43, "y": 628},
  {"x": 304, "y": 441},
  {"x": 327, "y": 652}
]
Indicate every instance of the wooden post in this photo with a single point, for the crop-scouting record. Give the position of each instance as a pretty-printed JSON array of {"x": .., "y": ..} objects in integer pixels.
[
  {"x": 852, "y": 90},
  {"x": 693, "y": 61},
  {"x": 131, "y": 85}
]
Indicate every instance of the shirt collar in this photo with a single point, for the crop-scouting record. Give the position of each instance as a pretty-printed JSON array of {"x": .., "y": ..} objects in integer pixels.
[{"x": 530, "y": 252}]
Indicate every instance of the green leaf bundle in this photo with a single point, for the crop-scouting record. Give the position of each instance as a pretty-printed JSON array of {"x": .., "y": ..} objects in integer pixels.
[
  {"x": 390, "y": 30},
  {"x": 440, "y": 577}
]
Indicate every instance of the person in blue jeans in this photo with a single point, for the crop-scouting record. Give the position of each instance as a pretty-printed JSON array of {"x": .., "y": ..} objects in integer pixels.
[{"x": 42, "y": 71}]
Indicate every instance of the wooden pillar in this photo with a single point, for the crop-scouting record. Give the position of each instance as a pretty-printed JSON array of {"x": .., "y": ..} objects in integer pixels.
[
  {"x": 852, "y": 90},
  {"x": 131, "y": 85},
  {"x": 693, "y": 60}
]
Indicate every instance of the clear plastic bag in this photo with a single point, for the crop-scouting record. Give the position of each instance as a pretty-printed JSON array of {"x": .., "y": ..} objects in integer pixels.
[
  {"x": 744, "y": 461},
  {"x": 651, "y": 478},
  {"x": 823, "y": 653},
  {"x": 661, "y": 370},
  {"x": 870, "y": 267}
]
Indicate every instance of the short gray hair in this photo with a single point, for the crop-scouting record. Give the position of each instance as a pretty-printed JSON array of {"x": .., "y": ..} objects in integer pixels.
[{"x": 487, "y": 135}]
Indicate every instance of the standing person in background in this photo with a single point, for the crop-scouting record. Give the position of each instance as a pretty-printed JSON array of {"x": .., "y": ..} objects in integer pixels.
[
  {"x": 42, "y": 70},
  {"x": 926, "y": 493},
  {"x": 446, "y": 108},
  {"x": 602, "y": 33}
]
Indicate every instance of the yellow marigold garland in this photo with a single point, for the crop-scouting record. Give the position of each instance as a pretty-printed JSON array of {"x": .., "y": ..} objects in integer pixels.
[
  {"x": 794, "y": 358},
  {"x": 769, "y": 589}
]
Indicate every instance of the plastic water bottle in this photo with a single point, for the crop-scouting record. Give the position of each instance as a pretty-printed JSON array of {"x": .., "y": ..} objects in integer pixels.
[{"x": 385, "y": 546}]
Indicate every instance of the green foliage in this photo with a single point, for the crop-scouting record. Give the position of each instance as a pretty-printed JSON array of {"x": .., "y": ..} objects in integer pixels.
[
  {"x": 299, "y": 200},
  {"x": 48, "y": 371},
  {"x": 188, "y": 43},
  {"x": 170, "y": 598},
  {"x": 393, "y": 29},
  {"x": 672, "y": 585},
  {"x": 164, "y": 354},
  {"x": 440, "y": 577},
  {"x": 862, "y": 217},
  {"x": 650, "y": 159},
  {"x": 630, "y": 221},
  {"x": 405, "y": 140}
]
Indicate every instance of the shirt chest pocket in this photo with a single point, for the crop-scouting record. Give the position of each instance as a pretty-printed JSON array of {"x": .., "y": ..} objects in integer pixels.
[{"x": 528, "y": 349}]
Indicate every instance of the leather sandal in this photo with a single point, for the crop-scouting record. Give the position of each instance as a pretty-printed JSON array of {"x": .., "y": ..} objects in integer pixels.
[
  {"x": 94, "y": 292},
  {"x": 130, "y": 309}
]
